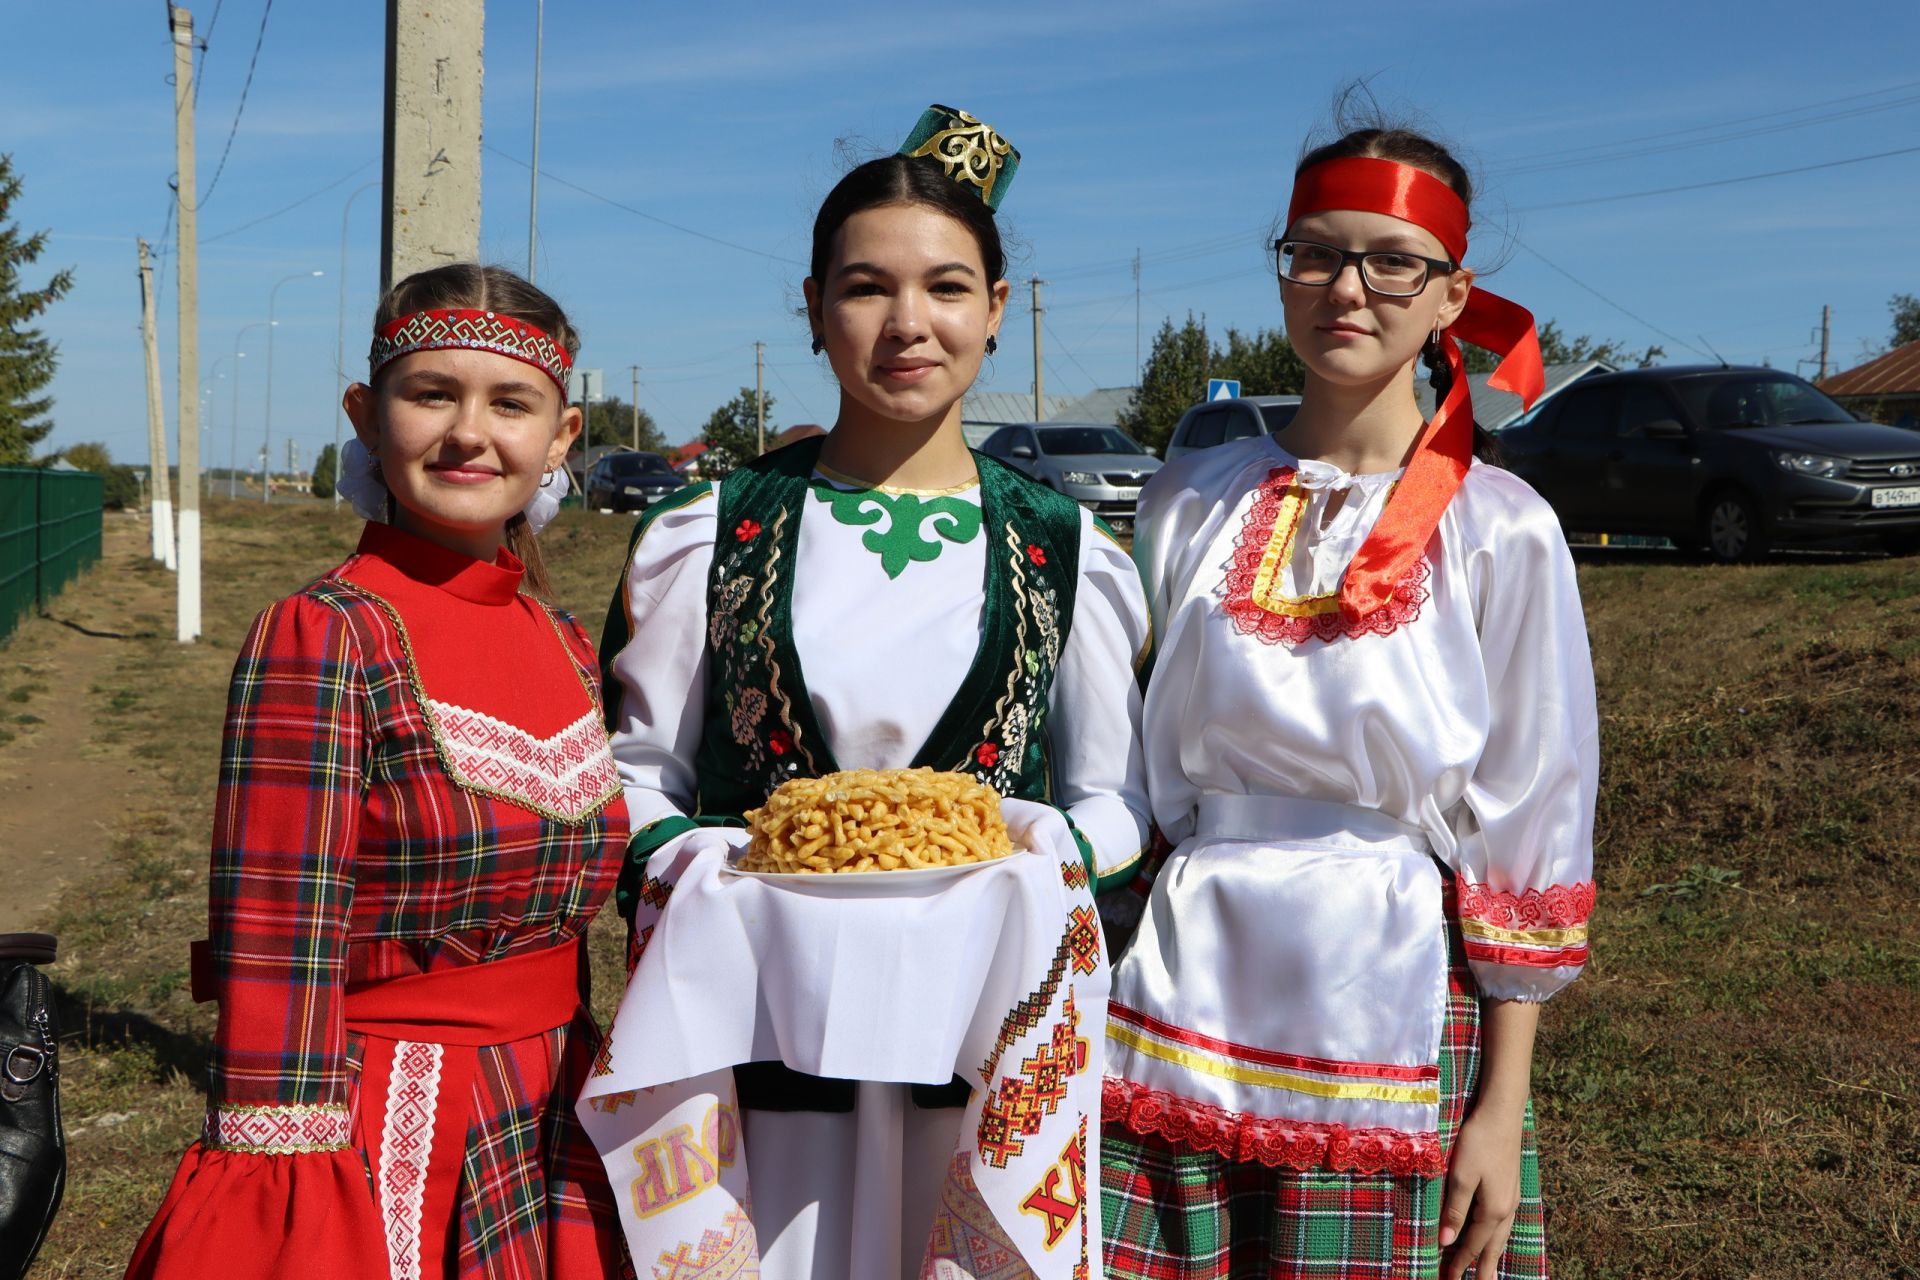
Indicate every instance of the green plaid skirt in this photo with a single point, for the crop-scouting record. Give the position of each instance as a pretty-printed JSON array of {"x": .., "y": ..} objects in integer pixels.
[{"x": 1170, "y": 1213}]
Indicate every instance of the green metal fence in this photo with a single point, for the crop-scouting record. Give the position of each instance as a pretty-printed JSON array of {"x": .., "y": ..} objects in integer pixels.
[{"x": 49, "y": 532}]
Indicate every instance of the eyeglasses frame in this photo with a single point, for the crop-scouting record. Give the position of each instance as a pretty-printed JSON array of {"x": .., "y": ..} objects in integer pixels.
[{"x": 1358, "y": 260}]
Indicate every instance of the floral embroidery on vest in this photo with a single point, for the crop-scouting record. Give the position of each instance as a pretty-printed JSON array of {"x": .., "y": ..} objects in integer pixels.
[{"x": 1256, "y": 599}]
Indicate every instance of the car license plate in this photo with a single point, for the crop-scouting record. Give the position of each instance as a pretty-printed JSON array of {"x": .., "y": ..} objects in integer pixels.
[
  {"x": 1907, "y": 497},
  {"x": 1128, "y": 495}
]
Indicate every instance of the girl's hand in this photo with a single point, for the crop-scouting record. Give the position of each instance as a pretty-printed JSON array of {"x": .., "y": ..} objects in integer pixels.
[{"x": 1483, "y": 1191}]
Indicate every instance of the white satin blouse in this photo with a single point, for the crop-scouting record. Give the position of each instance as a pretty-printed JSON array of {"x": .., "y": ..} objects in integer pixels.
[{"x": 1335, "y": 792}]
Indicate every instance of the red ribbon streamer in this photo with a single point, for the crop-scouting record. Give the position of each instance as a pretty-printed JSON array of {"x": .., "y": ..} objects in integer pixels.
[{"x": 1444, "y": 449}]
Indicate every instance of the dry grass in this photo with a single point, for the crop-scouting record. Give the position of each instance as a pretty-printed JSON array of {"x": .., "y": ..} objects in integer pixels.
[{"x": 1732, "y": 1090}]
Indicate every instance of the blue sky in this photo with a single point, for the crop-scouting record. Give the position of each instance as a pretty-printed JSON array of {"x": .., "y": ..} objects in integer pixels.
[{"x": 1166, "y": 127}]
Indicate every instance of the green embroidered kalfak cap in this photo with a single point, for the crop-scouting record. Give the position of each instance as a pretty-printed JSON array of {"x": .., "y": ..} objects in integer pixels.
[{"x": 971, "y": 152}]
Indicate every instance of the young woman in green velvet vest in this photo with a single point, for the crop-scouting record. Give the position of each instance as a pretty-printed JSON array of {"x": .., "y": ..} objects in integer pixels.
[{"x": 880, "y": 597}]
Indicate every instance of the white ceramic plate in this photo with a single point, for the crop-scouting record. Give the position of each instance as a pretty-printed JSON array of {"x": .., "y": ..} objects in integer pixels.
[{"x": 862, "y": 882}]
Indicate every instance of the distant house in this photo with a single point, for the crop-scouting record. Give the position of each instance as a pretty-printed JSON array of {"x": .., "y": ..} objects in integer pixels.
[
  {"x": 800, "y": 431},
  {"x": 685, "y": 458},
  {"x": 1493, "y": 409},
  {"x": 1886, "y": 389},
  {"x": 984, "y": 412}
]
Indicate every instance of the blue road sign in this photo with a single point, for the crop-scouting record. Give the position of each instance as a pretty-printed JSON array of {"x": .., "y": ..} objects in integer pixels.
[{"x": 1223, "y": 388}]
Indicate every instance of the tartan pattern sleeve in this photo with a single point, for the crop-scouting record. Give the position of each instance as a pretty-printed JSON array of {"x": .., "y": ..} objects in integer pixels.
[{"x": 286, "y": 823}]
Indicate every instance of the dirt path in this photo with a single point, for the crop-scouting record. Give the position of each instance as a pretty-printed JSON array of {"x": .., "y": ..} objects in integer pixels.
[{"x": 63, "y": 792}]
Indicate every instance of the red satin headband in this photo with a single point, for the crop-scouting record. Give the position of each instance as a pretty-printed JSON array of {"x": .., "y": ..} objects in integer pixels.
[
  {"x": 1383, "y": 186},
  {"x": 1444, "y": 449},
  {"x": 472, "y": 330}
]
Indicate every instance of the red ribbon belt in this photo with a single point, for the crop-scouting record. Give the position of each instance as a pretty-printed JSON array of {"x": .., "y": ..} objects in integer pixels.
[
  {"x": 420, "y": 1079},
  {"x": 1444, "y": 448}
]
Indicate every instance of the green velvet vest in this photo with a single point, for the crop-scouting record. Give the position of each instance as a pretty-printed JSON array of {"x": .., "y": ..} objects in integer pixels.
[{"x": 760, "y": 725}]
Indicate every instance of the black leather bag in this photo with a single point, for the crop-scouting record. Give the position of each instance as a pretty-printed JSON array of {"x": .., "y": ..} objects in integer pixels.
[{"x": 33, "y": 1151}]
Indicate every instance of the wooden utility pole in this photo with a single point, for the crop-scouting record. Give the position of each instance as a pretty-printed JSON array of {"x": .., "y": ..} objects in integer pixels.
[
  {"x": 635, "y": 370},
  {"x": 1039, "y": 380},
  {"x": 187, "y": 261},
  {"x": 156, "y": 421},
  {"x": 1826, "y": 336},
  {"x": 759, "y": 394},
  {"x": 431, "y": 215}
]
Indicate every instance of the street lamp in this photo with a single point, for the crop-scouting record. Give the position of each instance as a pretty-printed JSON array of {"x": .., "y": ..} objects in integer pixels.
[
  {"x": 340, "y": 336},
  {"x": 266, "y": 473},
  {"x": 233, "y": 445}
]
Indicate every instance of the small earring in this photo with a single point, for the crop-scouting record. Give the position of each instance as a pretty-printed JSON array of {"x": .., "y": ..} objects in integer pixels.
[
  {"x": 993, "y": 344},
  {"x": 819, "y": 344},
  {"x": 547, "y": 478}
]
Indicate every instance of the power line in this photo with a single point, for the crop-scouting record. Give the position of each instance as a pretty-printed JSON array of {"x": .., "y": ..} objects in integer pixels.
[
  {"x": 642, "y": 213},
  {"x": 1562, "y": 152},
  {"x": 1068, "y": 353},
  {"x": 206, "y": 46},
  {"x": 268, "y": 217},
  {"x": 797, "y": 398},
  {"x": 1718, "y": 182},
  {"x": 1609, "y": 301},
  {"x": 240, "y": 110},
  {"x": 1635, "y": 153}
]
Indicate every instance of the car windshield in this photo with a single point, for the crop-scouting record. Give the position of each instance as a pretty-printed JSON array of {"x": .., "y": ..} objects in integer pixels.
[
  {"x": 1757, "y": 400},
  {"x": 1277, "y": 416},
  {"x": 634, "y": 464},
  {"x": 1086, "y": 440}
]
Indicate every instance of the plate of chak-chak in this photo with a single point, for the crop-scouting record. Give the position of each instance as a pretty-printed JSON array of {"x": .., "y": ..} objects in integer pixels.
[{"x": 873, "y": 827}]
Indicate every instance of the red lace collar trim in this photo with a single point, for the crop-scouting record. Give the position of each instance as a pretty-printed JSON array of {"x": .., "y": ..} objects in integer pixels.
[{"x": 1258, "y": 609}]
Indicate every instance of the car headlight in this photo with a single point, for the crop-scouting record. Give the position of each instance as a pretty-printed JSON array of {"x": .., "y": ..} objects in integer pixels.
[
  {"x": 1811, "y": 464},
  {"x": 1079, "y": 477}
]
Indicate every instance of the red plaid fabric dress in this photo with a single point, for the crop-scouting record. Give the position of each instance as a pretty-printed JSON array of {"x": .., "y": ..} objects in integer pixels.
[{"x": 415, "y": 790}]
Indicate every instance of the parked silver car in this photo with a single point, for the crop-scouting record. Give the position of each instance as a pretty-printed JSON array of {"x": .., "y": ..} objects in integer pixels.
[
  {"x": 1096, "y": 465},
  {"x": 1213, "y": 422}
]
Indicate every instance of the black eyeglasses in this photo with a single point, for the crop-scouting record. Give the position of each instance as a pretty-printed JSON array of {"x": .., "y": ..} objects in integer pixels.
[{"x": 1390, "y": 274}]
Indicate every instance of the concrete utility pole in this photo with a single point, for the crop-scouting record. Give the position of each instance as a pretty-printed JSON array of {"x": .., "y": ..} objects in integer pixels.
[
  {"x": 1039, "y": 379},
  {"x": 533, "y": 180},
  {"x": 431, "y": 216},
  {"x": 163, "y": 549},
  {"x": 266, "y": 445},
  {"x": 340, "y": 338},
  {"x": 1136, "y": 317},
  {"x": 187, "y": 261},
  {"x": 1826, "y": 336},
  {"x": 760, "y": 394},
  {"x": 635, "y": 369}
]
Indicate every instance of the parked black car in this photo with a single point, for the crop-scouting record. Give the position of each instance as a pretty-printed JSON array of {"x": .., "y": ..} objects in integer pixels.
[
  {"x": 1736, "y": 461},
  {"x": 630, "y": 481}
]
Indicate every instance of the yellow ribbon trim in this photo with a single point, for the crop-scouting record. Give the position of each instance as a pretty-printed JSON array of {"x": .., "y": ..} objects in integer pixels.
[
  {"x": 1571, "y": 937},
  {"x": 1208, "y": 1065},
  {"x": 1266, "y": 592}
]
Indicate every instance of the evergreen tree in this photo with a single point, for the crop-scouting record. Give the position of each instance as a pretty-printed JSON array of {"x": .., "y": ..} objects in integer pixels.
[
  {"x": 1906, "y": 318},
  {"x": 27, "y": 357},
  {"x": 1175, "y": 378},
  {"x": 730, "y": 435},
  {"x": 610, "y": 421},
  {"x": 1264, "y": 363},
  {"x": 325, "y": 472}
]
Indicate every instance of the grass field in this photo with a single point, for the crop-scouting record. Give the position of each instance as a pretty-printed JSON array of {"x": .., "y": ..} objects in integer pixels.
[{"x": 1733, "y": 1089}]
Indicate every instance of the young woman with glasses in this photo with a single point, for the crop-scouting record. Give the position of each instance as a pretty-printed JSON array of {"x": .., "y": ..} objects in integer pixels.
[{"x": 1371, "y": 736}]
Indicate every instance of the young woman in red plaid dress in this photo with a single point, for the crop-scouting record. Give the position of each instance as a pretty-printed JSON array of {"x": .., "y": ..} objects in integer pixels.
[
  {"x": 418, "y": 817},
  {"x": 1371, "y": 732}
]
